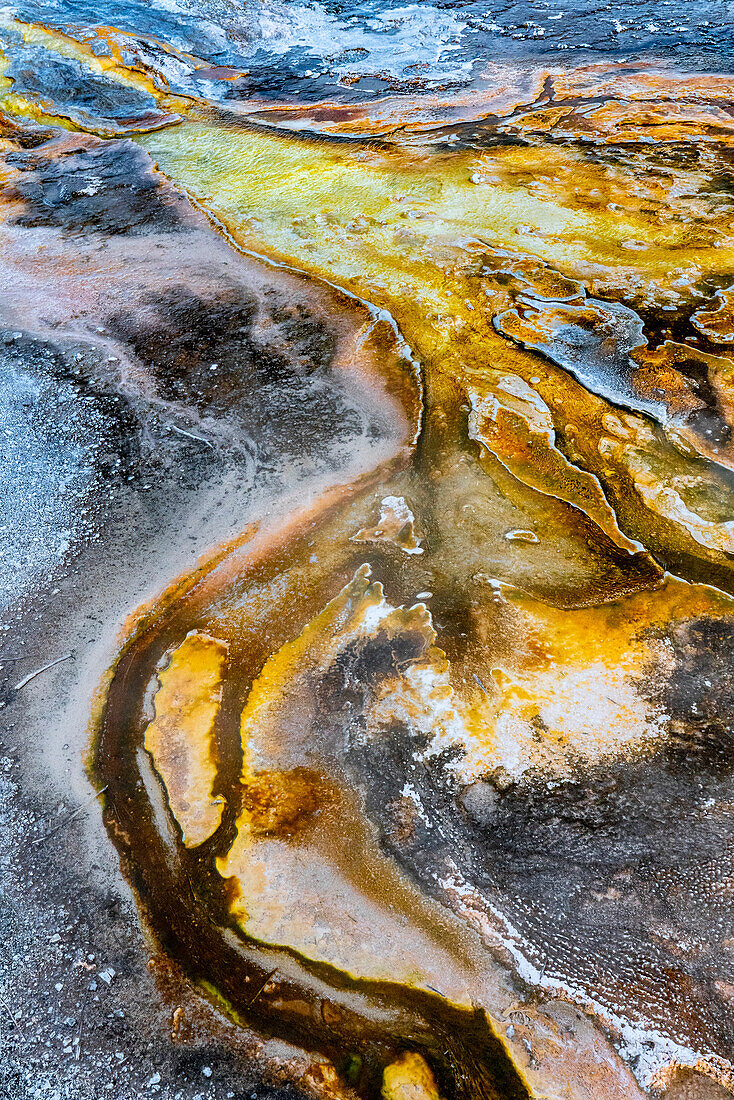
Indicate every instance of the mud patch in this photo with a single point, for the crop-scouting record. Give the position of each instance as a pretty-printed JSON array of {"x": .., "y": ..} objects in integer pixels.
[
  {"x": 696, "y": 690},
  {"x": 261, "y": 362},
  {"x": 109, "y": 189}
]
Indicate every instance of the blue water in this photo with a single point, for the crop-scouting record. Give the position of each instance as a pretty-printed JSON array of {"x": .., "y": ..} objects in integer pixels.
[{"x": 304, "y": 47}]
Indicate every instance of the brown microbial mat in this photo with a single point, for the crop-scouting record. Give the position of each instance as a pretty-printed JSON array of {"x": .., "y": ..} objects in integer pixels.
[{"x": 401, "y": 638}]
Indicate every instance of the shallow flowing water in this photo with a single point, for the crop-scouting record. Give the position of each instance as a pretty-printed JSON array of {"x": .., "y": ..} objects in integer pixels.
[{"x": 424, "y": 768}]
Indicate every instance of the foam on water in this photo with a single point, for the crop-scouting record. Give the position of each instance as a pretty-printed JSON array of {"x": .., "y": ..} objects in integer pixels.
[
  {"x": 414, "y": 40},
  {"x": 313, "y": 45}
]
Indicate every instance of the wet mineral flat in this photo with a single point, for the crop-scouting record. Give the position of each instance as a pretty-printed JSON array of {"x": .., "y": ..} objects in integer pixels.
[{"x": 367, "y": 650}]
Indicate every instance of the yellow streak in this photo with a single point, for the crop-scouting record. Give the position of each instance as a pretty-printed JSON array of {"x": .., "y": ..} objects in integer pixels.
[
  {"x": 181, "y": 736},
  {"x": 409, "y": 1078}
]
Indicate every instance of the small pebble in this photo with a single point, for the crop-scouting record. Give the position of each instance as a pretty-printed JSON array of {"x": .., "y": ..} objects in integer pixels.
[{"x": 522, "y": 536}]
